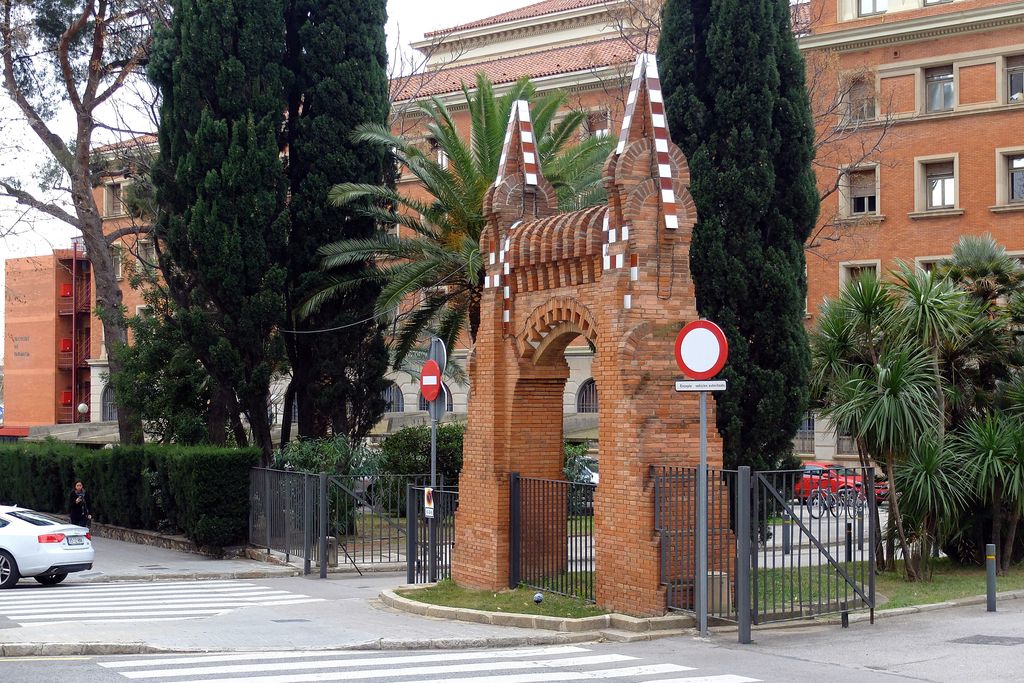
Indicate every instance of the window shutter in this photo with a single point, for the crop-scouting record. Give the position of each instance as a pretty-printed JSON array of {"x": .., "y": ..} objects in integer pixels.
[
  {"x": 862, "y": 184},
  {"x": 942, "y": 168}
]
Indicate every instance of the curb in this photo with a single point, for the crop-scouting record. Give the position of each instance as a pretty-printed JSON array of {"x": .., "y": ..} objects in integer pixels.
[
  {"x": 613, "y": 627},
  {"x": 190, "y": 576}
]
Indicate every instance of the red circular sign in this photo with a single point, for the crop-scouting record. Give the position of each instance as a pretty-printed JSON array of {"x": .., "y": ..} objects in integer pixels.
[
  {"x": 701, "y": 349},
  {"x": 430, "y": 380}
]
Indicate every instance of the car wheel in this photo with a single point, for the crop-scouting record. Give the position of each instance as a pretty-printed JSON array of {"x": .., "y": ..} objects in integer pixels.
[
  {"x": 8, "y": 570},
  {"x": 51, "y": 579}
]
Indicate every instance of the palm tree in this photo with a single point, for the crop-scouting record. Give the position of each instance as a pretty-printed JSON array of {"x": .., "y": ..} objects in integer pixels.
[
  {"x": 932, "y": 310},
  {"x": 992, "y": 446},
  {"x": 934, "y": 490},
  {"x": 890, "y": 406},
  {"x": 982, "y": 267},
  {"x": 437, "y": 271}
]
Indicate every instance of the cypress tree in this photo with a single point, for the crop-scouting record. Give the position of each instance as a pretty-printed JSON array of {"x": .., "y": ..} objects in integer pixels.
[
  {"x": 222, "y": 192},
  {"x": 336, "y": 53},
  {"x": 737, "y": 106}
]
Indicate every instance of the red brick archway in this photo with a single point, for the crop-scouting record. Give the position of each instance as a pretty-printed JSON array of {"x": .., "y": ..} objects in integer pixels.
[{"x": 617, "y": 275}]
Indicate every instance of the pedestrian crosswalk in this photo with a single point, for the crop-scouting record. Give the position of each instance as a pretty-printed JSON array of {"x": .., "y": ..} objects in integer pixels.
[
  {"x": 129, "y": 602},
  {"x": 517, "y": 665}
]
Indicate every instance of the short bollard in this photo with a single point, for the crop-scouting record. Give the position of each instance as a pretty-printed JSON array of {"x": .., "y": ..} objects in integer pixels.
[
  {"x": 849, "y": 542},
  {"x": 860, "y": 531},
  {"x": 787, "y": 534},
  {"x": 990, "y": 567},
  {"x": 845, "y": 616}
]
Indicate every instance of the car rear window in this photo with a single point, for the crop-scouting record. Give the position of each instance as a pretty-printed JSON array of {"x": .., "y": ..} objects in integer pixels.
[{"x": 37, "y": 520}]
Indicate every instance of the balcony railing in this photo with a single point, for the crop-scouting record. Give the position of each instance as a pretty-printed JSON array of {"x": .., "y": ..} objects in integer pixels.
[
  {"x": 68, "y": 414},
  {"x": 66, "y": 304},
  {"x": 64, "y": 358},
  {"x": 846, "y": 445},
  {"x": 804, "y": 442}
]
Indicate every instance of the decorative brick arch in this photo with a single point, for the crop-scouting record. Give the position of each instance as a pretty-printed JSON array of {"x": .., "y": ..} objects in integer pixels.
[{"x": 618, "y": 275}]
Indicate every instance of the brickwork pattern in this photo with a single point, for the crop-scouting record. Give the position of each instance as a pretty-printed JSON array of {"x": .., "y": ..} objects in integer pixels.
[{"x": 619, "y": 277}]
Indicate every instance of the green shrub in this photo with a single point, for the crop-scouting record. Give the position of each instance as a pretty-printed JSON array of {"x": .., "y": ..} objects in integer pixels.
[
  {"x": 407, "y": 451},
  {"x": 201, "y": 491}
]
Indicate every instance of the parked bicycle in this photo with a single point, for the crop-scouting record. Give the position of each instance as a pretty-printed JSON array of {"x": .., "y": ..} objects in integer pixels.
[{"x": 850, "y": 502}]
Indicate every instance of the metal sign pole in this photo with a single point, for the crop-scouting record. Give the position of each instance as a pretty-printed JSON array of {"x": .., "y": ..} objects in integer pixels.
[
  {"x": 431, "y": 522},
  {"x": 702, "y": 521}
]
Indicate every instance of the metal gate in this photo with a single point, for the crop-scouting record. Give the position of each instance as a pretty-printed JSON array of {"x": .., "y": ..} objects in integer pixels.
[
  {"x": 422, "y": 565},
  {"x": 808, "y": 539}
]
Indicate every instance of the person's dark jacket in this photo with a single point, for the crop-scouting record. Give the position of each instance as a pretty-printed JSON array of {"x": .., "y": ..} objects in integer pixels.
[{"x": 79, "y": 507}]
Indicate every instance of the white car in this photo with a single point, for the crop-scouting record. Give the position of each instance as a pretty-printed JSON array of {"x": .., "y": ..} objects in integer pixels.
[{"x": 37, "y": 546}]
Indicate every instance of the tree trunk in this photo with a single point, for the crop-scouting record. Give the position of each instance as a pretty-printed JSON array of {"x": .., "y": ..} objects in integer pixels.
[
  {"x": 876, "y": 517},
  {"x": 286, "y": 413},
  {"x": 108, "y": 299},
  {"x": 894, "y": 509},
  {"x": 217, "y": 416},
  {"x": 1011, "y": 538}
]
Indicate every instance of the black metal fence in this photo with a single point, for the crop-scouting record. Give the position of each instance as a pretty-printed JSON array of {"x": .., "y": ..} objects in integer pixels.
[
  {"x": 675, "y": 522},
  {"x": 285, "y": 514},
  {"x": 552, "y": 536},
  {"x": 348, "y": 519},
  {"x": 814, "y": 550},
  {"x": 422, "y": 565}
]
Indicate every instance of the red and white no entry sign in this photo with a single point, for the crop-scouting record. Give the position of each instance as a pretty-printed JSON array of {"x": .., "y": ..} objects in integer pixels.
[
  {"x": 430, "y": 380},
  {"x": 701, "y": 349}
]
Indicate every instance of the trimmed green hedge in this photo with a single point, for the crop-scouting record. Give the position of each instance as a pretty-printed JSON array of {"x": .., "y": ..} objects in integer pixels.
[{"x": 200, "y": 490}]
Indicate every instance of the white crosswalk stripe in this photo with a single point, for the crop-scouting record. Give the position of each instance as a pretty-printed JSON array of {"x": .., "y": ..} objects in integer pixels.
[
  {"x": 517, "y": 665},
  {"x": 130, "y": 602}
]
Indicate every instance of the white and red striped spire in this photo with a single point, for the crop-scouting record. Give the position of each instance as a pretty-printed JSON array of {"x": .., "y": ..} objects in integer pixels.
[
  {"x": 519, "y": 146},
  {"x": 646, "y": 87}
]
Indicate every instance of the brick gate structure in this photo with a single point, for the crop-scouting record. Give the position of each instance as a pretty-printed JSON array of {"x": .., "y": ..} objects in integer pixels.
[{"x": 618, "y": 276}]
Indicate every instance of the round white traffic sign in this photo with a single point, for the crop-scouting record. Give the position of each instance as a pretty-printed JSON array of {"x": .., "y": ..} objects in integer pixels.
[{"x": 701, "y": 349}]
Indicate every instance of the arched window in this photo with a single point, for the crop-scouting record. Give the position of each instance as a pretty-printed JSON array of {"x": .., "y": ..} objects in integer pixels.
[
  {"x": 392, "y": 396},
  {"x": 109, "y": 404},
  {"x": 586, "y": 397},
  {"x": 447, "y": 399}
]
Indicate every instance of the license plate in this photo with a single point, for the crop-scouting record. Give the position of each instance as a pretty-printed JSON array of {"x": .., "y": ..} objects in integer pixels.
[{"x": 76, "y": 540}]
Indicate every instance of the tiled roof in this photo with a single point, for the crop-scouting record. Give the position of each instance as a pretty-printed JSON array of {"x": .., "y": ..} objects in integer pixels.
[
  {"x": 559, "y": 60},
  {"x": 143, "y": 140},
  {"x": 534, "y": 10}
]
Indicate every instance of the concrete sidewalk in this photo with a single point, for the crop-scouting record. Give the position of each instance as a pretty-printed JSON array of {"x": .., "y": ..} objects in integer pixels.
[{"x": 121, "y": 561}]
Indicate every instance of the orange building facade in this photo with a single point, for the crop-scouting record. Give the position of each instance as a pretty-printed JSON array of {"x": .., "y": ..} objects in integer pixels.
[
  {"x": 55, "y": 362},
  {"x": 919, "y": 106}
]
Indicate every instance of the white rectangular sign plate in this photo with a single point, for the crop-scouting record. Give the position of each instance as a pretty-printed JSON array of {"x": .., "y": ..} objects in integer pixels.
[{"x": 701, "y": 385}]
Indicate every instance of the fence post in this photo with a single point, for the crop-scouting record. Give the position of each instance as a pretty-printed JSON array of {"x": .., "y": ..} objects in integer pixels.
[
  {"x": 990, "y": 577},
  {"x": 514, "y": 531},
  {"x": 307, "y": 520},
  {"x": 324, "y": 509},
  {"x": 267, "y": 507},
  {"x": 743, "y": 553},
  {"x": 412, "y": 518}
]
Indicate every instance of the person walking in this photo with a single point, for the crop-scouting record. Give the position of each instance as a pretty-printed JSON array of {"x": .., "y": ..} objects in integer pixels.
[{"x": 79, "y": 506}]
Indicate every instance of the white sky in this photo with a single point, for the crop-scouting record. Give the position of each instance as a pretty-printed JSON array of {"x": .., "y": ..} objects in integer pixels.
[{"x": 408, "y": 20}]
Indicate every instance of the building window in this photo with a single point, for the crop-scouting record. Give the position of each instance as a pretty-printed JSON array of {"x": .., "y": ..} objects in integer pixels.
[
  {"x": 939, "y": 88},
  {"x": 586, "y": 397},
  {"x": 393, "y": 399},
  {"x": 113, "y": 204},
  {"x": 928, "y": 264},
  {"x": 438, "y": 152},
  {"x": 109, "y": 404},
  {"x": 936, "y": 2},
  {"x": 861, "y": 100},
  {"x": 597, "y": 125},
  {"x": 1015, "y": 179},
  {"x": 423, "y": 404},
  {"x": 869, "y": 7},
  {"x": 863, "y": 192},
  {"x": 117, "y": 258},
  {"x": 1015, "y": 79},
  {"x": 804, "y": 441},
  {"x": 849, "y": 272},
  {"x": 940, "y": 185},
  {"x": 147, "y": 253}
]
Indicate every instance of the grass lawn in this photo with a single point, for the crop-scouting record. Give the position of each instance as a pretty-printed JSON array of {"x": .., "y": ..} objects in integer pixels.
[
  {"x": 581, "y": 525},
  {"x": 518, "y": 601},
  {"x": 949, "y": 582}
]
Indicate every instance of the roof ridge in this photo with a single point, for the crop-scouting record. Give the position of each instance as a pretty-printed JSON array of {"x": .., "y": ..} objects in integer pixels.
[{"x": 537, "y": 9}]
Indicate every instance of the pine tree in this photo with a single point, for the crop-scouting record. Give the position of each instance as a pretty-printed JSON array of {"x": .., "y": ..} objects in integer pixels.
[
  {"x": 737, "y": 105},
  {"x": 222, "y": 190},
  {"x": 336, "y": 54}
]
